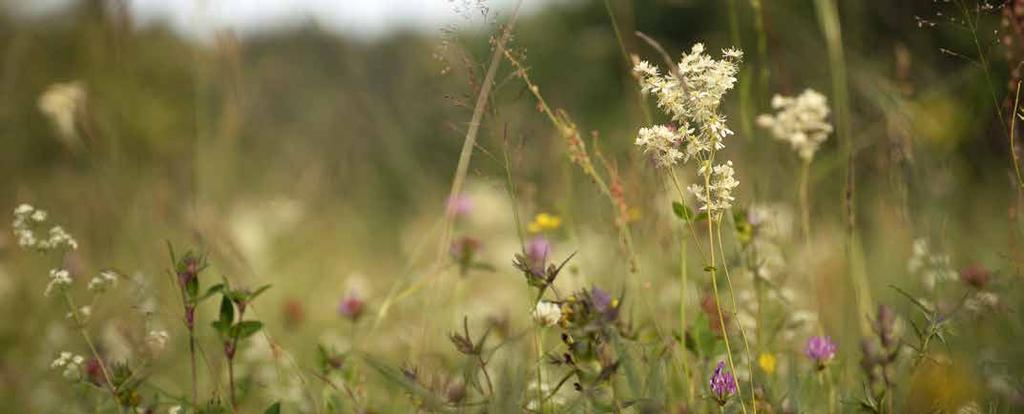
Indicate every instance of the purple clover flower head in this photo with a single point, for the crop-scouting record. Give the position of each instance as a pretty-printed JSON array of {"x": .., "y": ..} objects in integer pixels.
[
  {"x": 723, "y": 384},
  {"x": 459, "y": 205},
  {"x": 820, "y": 349},
  {"x": 537, "y": 251},
  {"x": 351, "y": 307}
]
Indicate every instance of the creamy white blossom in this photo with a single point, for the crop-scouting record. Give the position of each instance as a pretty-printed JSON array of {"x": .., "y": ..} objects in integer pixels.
[
  {"x": 70, "y": 364},
  {"x": 717, "y": 195},
  {"x": 801, "y": 121},
  {"x": 59, "y": 279},
  {"x": 28, "y": 219},
  {"x": 691, "y": 97},
  {"x": 547, "y": 313},
  {"x": 61, "y": 103},
  {"x": 157, "y": 340},
  {"x": 103, "y": 282}
]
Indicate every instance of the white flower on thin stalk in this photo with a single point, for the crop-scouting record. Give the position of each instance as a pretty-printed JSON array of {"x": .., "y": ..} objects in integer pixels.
[
  {"x": 717, "y": 196},
  {"x": 70, "y": 364},
  {"x": 106, "y": 280},
  {"x": 27, "y": 219},
  {"x": 59, "y": 279},
  {"x": 801, "y": 121},
  {"x": 547, "y": 314},
  {"x": 691, "y": 97}
]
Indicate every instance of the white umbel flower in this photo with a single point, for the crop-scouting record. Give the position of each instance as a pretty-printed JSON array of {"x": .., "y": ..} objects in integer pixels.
[
  {"x": 547, "y": 314},
  {"x": 27, "y": 219},
  {"x": 106, "y": 280},
  {"x": 71, "y": 365},
  {"x": 801, "y": 121},
  {"x": 59, "y": 279}
]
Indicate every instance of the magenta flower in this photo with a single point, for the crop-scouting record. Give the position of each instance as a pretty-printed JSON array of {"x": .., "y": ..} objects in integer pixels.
[
  {"x": 820, "y": 349},
  {"x": 537, "y": 252},
  {"x": 723, "y": 384},
  {"x": 351, "y": 307}
]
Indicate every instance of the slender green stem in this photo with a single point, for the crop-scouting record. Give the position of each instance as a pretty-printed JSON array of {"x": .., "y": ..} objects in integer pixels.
[
  {"x": 805, "y": 204},
  {"x": 76, "y": 318},
  {"x": 714, "y": 284},
  {"x": 735, "y": 310}
]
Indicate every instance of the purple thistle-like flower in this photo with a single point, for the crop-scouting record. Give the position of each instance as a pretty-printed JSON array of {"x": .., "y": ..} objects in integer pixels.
[
  {"x": 821, "y": 349},
  {"x": 722, "y": 383},
  {"x": 537, "y": 251}
]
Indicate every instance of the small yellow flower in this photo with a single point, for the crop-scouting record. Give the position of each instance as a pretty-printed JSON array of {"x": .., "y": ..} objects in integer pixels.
[
  {"x": 544, "y": 222},
  {"x": 767, "y": 363}
]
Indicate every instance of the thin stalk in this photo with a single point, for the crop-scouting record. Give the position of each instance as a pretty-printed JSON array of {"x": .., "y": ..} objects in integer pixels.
[
  {"x": 538, "y": 340},
  {"x": 80, "y": 326},
  {"x": 1014, "y": 157},
  {"x": 828, "y": 18},
  {"x": 714, "y": 287},
  {"x": 735, "y": 310},
  {"x": 192, "y": 360},
  {"x": 805, "y": 205}
]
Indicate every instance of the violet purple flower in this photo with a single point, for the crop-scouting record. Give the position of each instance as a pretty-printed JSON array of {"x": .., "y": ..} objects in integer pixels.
[
  {"x": 820, "y": 349},
  {"x": 722, "y": 383},
  {"x": 537, "y": 252}
]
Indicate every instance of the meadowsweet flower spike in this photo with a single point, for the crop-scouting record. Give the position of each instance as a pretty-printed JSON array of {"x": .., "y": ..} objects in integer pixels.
[
  {"x": 801, "y": 121},
  {"x": 691, "y": 98},
  {"x": 722, "y": 384},
  {"x": 717, "y": 197}
]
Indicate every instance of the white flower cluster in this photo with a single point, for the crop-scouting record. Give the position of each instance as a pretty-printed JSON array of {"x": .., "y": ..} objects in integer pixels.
[
  {"x": 27, "y": 219},
  {"x": 800, "y": 121},
  {"x": 691, "y": 97},
  {"x": 547, "y": 314},
  {"x": 717, "y": 195},
  {"x": 61, "y": 102},
  {"x": 931, "y": 267},
  {"x": 59, "y": 279},
  {"x": 71, "y": 365},
  {"x": 106, "y": 280}
]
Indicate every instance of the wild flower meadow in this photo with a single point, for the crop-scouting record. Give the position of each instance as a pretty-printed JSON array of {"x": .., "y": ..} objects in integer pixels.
[{"x": 566, "y": 207}]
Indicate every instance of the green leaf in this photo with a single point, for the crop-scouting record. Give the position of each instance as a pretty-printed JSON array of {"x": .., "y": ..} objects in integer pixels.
[
  {"x": 682, "y": 211},
  {"x": 212, "y": 291},
  {"x": 192, "y": 287},
  {"x": 274, "y": 408},
  {"x": 221, "y": 327},
  {"x": 259, "y": 291},
  {"x": 227, "y": 310},
  {"x": 245, "y": 329}
]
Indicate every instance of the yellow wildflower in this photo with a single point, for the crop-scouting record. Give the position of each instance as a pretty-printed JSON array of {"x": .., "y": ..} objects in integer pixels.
[
  {"x": 767, "y": 363},
  {"x": 544, "y": 222}
]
